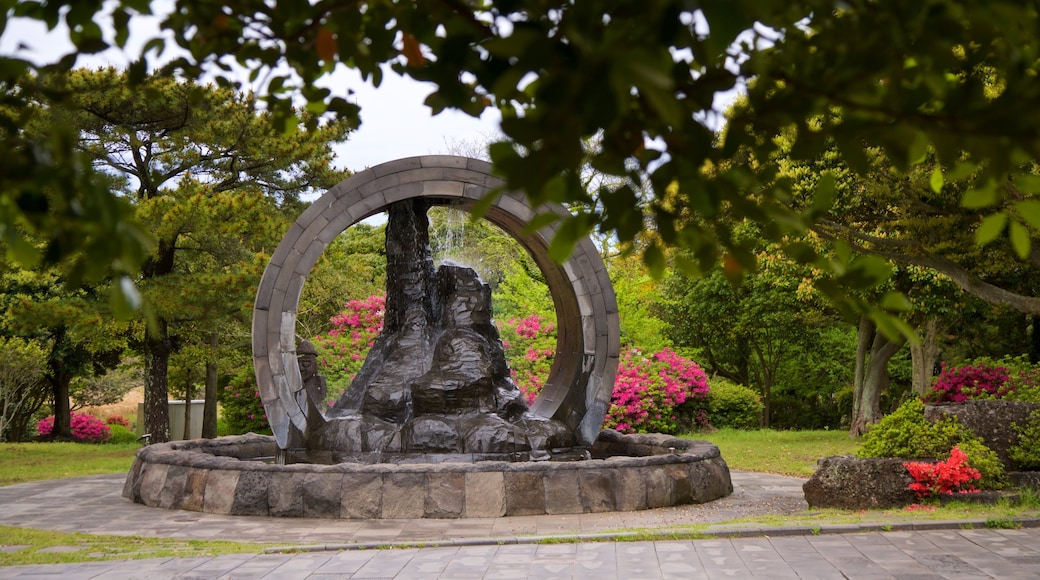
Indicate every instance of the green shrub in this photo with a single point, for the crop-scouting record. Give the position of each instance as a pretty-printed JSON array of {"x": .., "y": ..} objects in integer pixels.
[
  {"x": 120, "y": 434},
  {"x": 984, "y": 459},
  {"x": 1025, "y": 379},
  {"x": 905, "y": 433},
  {"x": 731, "y": 405},
  {"x": 241, "y": 406},
  {"x": 1026, "y": 453}
]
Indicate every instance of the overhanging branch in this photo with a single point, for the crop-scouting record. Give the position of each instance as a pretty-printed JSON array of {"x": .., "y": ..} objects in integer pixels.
[{"x": 960, "y": 276}]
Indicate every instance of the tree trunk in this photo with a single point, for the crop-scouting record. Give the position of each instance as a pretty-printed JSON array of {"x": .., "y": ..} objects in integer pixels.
[
  {"x": 766, "y": 379},
  {"x": 864, "y": 335},
  {"x": 156, "y": 367},
  {"x": 157, "y": 349},
  {"x": 924, "y": 355},
  {"x": 59, "y": 379},
  {"x": 209, "y": 409},
  {"x": 62, "y": 410},
  {"x": 867, "y": 403}
]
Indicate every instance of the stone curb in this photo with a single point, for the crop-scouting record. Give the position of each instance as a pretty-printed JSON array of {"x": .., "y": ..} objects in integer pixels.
[
  {"x": 721, "y": 531},
  {"x": 630, "y": 473}
]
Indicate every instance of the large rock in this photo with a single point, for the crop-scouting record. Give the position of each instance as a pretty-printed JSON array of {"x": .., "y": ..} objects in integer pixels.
[
  {"x": 990, "y": 420},
  {"x": 854, "y": 483}
]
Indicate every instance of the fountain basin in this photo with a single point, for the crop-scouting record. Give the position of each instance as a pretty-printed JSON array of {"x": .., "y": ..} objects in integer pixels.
[{"x": 228, "y": 475}]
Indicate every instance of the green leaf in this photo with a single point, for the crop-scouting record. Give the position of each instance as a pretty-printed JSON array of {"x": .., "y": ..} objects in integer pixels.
[
  {"x": 121, "y": 21},
  {"x": 801, "y": 252},
  {"x": 570, "y": 232},
  {"x": 852, "y": 153},
  {"x": 124, "y": 299},
  {"x": 937, "y": 180},
  {"x": 893, "y": 327},
  {"x": 961, "y": 170},
  {"x": 687, "y": 266},
  {"x": 919, "y": 147},
  {"x": 725, "y": 21},
  {"x": 1027, "y": 183},
  {"x": 483, "y": 204},
  {"x": 664, "y": 102},
  {"x": 21, "y": 251},
  {"x": 866, "y": 272},
  {"x": 1020, "y": 241},
  {"x": 980, "y": 197},
  {"x": 654, "y": 259},
  {"x": 823, "y": 196},
  {"x": 991, "y": 227},
  {"x": 539, "y": 221},
  {"x": 896, "y": 301},
  {"x": 1029, "y": 211}
]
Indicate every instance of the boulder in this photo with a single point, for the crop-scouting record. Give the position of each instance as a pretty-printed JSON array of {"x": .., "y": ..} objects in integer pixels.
[
  {"x": 990, "y": 420},
  {"x": 854, "y": 483}
]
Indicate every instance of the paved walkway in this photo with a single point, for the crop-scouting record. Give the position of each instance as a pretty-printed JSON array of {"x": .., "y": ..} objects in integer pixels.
[{"x": 508, "y": 548}]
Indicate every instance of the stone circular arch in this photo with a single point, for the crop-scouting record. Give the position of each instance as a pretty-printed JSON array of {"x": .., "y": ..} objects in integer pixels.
[{"x": 581, "y": 379}]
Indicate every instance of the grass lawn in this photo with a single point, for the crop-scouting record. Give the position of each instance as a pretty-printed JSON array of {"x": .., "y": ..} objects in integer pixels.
[
  {"x": 22, "y": 462},
  {"x": 33, "y": 547},
  {"x": 782, "y": 452}
]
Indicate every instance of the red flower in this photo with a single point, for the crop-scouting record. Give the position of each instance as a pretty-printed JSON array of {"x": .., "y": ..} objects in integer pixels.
[{"x": 943, "y": 477}]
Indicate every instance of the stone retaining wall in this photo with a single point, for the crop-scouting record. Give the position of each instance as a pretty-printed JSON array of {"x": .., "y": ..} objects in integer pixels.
[{"x": 223, "y": 476}]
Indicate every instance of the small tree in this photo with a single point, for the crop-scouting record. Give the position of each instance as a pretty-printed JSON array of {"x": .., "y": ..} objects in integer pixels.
[
  {"x": 23, "y": 389},
  {"x": 106, "y": 388}
]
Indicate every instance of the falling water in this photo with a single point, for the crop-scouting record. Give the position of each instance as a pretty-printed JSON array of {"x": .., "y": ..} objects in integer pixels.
[{"x": 453, "y": 237}]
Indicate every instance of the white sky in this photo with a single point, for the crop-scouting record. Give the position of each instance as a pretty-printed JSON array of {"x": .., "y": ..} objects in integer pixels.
[{"x": 395, "y": 123}]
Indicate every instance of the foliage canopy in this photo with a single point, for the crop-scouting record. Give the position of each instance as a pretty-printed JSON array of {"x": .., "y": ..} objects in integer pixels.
[{"x": 957, "y": 77}]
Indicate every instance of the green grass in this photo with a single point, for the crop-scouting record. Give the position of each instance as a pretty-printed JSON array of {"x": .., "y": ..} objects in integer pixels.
[
  {"x": 22, "y": 462},
  {"x": 76, "y": 547},
  {"x": 782, "y": 452}
]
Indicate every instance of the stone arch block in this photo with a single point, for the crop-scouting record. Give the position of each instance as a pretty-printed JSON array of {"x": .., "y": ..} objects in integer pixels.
[{"x": 577, "y": 391}]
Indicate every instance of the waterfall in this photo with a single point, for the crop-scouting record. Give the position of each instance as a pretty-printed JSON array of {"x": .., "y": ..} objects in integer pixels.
[{"x": 453, "y": 237}]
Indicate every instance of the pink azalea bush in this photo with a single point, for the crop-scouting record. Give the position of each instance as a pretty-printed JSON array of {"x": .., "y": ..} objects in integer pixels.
[
  {"x": 649, "y": 389},
  {"x": 84, "y": 428},
  {"x": 975, "y": 381},
  {"x": 530, "y": 344},
  {"x": 647, "y": 393},
  {"x": 342, "y": 350}
]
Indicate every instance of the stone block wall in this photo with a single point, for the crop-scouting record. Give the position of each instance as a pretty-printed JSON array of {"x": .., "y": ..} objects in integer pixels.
[{"x": 223, "y": 476}]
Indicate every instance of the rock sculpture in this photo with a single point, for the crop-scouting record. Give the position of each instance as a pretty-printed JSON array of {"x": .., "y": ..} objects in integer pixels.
[{"x": 436, "y": 379}]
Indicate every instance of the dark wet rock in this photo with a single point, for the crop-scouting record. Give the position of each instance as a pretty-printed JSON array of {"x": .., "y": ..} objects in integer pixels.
[
  {"x": 1025, "y": 479},
  {"x": 430, "y": 434},
  {"x": 990, "y": 420},
  {"x": 855, "y": 483}
]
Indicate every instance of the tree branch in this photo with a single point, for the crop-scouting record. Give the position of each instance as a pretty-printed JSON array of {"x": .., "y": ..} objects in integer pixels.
[{"x": 960, "y": 276}]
